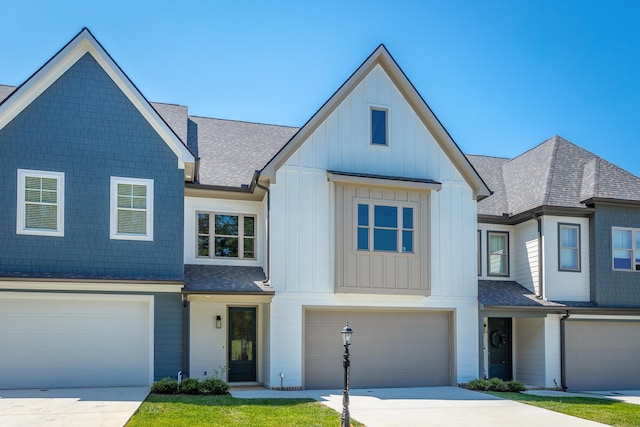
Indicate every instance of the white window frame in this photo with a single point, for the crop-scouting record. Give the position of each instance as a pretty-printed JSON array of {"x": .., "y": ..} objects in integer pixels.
[
  {"x": 576, "y": 227},
  {"x": 386, "y": 110},
  {"x": 113, "y": 226},
  {"x": 399, "y": 229},
  {"x": 635, "y": 249},
  {"x": 21, "y": 203},
  {"x": 241, "y": 236},
  {"x": 504, "y": 234}
]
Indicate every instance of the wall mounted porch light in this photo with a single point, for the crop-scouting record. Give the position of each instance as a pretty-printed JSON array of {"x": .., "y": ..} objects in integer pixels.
[{"x": 218, "y": 321}]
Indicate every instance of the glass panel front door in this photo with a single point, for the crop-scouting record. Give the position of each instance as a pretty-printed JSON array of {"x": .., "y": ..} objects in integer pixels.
[{"x": 242, "y": 344}]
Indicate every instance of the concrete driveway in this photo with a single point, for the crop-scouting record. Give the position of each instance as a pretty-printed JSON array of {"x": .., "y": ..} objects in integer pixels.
[
  {"x": 70, "y": 407},
  {"x": 441, "y": 406}
]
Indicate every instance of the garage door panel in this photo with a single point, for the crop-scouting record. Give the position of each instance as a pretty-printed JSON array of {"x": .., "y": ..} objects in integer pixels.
[
  {"x": 73, "y": 340},
  {"x": 390, "y": 349},
  {"x": 602, "y": 355}
]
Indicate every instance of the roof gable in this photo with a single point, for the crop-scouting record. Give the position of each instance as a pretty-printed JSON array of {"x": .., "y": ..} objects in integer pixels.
[
  {"x": 62, "y": 61},
  {"x": 384, "y": 59}
]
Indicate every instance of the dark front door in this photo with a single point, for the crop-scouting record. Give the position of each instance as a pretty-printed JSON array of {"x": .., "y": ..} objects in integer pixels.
[
  {"x": 242, "y": 344},
  {"x": 500, "y": 365}
]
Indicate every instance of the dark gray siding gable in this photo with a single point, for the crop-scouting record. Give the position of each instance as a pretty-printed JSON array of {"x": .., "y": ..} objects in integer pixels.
[
  {"x": 84, "y": 126},
  {"x": 611, "y": 288}
]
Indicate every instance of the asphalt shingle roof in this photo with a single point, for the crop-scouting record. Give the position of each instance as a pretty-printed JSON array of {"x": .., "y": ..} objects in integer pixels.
[
  {"x": 503, "y": 293},
  {"x": 5, "y": 91},
  {"x": 224, "y": 278},
  {"x": 555, "y": 173},
  {"x": 231, "y": 151},
  {"x": 176, "y": 117}
]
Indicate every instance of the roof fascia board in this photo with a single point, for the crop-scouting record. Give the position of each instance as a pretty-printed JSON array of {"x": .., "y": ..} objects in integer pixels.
[
  {"x": 81, "y": 44},
  {"x": 611, "y": 202},
  {"x": 564, "y": 309},
  {"x": 383, "y": 58},
  {"x": 219, "y": 192},
  {"x": 383, "y": 182},
  {"x": 539, "y": 211}
]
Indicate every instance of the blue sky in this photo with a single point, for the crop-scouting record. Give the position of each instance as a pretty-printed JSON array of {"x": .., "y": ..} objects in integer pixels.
[{"x": 502, "y": 76}]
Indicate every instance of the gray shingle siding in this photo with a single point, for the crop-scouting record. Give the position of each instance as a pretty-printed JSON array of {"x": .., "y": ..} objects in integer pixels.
[
  {"x": 168, "y": 335},
  {"x": 608, "y": 287},
  {"x": 84, "y": 126}
]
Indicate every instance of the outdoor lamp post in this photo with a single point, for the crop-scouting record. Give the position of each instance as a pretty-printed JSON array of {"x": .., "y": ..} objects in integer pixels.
[{"x": 345, "y": 419}]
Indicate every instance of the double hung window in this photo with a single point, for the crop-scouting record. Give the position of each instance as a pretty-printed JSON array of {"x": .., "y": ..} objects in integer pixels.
[
  {"x": 131, "y": 209},
  {"x": 40, "y": 207},
  {"x": 226, "y": 236},
  {"x": 498, "y": 253},
  {"x": 385, "y": 228},
  {"x": 569, "y": 247},
  {"x": 626, "y": 249}
]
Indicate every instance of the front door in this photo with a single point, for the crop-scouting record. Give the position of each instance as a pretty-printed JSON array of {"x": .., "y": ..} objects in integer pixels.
[
  {"x": 242, "y": 344},
  {"x": 500, "y": 365}
]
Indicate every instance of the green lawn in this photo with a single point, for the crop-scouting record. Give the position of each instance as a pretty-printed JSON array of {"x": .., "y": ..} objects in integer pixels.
[
  {"x": 604, "y": 411},
  {"x": 193, "y": 411}
]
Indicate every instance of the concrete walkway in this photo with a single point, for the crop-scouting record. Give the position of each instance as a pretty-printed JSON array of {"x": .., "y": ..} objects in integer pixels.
[
  {"x": 432, "y": 406},
  {"x": 70, "y": 407}
]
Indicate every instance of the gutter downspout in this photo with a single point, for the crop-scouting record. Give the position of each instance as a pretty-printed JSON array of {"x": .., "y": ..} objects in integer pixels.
[
  {"x": 268, "y": 274},
  {"x": 563, "y": 361},
  {"x": 540, "y": 293}
]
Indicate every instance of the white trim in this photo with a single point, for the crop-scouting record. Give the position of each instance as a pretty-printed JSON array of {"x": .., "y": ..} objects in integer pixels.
[
  {"x": 391, "y": 182},
  {"x": 20, "y": 203},
  {"x": 35, "y": 285},
  {"x": 84, "y": 43},
  {"x": 113, "y": 211}
]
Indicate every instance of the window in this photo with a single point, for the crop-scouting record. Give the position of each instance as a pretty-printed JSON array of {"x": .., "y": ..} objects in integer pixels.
[
  {"x": 498, "y": 253},
  {"x": 226, "y": 236},
  {"x": 131, "y": 209},
  {"x": 569, "y": 247},
  {"x": 379, "y": 126},
  {"x": 626, "y": 249},
  {"x": 40, "y": 206},
  {"x": 479, "y": 247},
  {"x": 389, "y": 228}
]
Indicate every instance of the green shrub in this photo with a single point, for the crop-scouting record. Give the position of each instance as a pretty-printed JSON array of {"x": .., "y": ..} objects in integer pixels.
[
  {"x": 496, "y": 384},
  {"x": 214, "y": 386},
  {"x": 165, "y": 386},
  {"x": 515, "y": 386},
  {"x": 478, "y": 384},
  {"x": 190, "y": 386}
]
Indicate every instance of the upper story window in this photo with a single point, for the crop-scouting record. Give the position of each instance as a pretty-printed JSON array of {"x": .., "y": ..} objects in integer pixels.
[
  {"x": 385, "y": 228},
  {"x": 131, "y": 209},
  {"x": 479, "y": 247},
  {"x": 498, "y": 253},
  {"x": 226, "y": 236},
  {"x": 379, "y": 126},
  {"x": 40, "y": 206},
  {"x": 569, "y": 247},
  {"x": 626, "y": 249}
]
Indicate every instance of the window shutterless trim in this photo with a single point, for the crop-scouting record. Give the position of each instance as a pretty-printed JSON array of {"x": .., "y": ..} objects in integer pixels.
[
  {"x": 212, "y": 236},
  {"x": 21, "y": 226},
  {"x": 384, "y": 109},
  {"x": 113, "y": 214},
  {"x": 635, "y": 249},
  {"x": 561, "y": 226},
  {"x": 506, "y": 254},
  {"x": 399, "y": 229}
]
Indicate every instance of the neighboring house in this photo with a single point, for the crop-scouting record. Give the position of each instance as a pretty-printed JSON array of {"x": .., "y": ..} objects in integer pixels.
[
  {"x": 91, "y": 241},
  {"x": 559, "y": 269}
]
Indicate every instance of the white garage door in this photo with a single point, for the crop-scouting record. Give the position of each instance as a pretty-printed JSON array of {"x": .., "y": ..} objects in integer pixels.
[
  {"x": 602, "y": 355},
  {"x": 389, "y": 349},
  {"x": 73, "y": 340}
]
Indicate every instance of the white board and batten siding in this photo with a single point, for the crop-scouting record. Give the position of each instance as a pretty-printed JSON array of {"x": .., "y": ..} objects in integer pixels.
[{"x": 303, "y": 200}]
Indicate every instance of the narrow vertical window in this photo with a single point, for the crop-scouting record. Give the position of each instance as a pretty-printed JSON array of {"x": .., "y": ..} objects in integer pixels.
[
  {"x": 363, "y": 227},
  {"x": 479, "y": 247},
  {"x": 407, "y": 230},
  {"x": 40, "y": 206},
  {"x": 498, "y": 253},
  {"x": 569, "y": 247},
  {"x": 131, "y": 209},
  {"x": 379, "y": 126}
]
